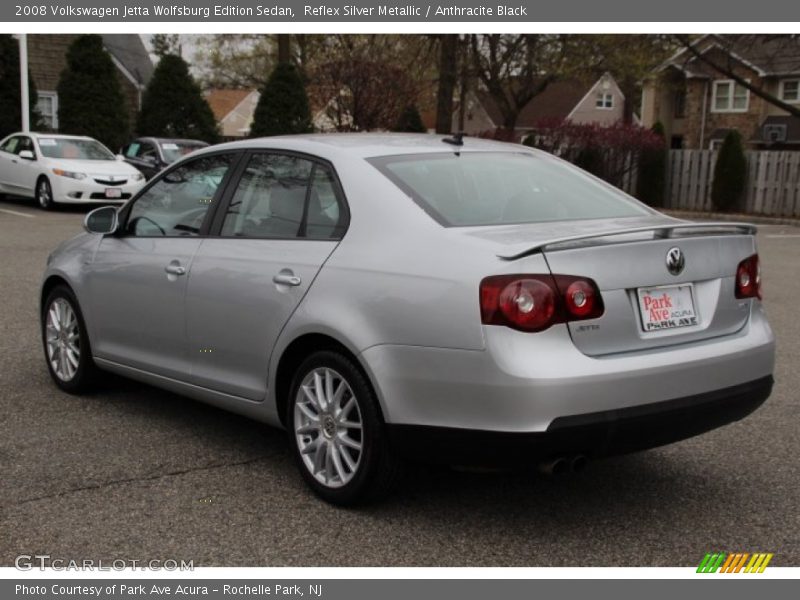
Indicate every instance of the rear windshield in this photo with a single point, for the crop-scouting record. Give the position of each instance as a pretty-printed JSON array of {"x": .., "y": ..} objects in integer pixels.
[
  {"x": 499, "y": 188},
  {"x": 172, "y": 151},
  {"x": 73, "y": 148}
]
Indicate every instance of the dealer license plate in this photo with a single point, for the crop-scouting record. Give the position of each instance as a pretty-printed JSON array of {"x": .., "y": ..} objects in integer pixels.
[
  {"x": 667, "y": 307},
  {"x": 113, "y": 193}
]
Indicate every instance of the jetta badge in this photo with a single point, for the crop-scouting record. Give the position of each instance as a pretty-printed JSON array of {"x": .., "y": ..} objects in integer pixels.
[{"x": 675, "y": 260}]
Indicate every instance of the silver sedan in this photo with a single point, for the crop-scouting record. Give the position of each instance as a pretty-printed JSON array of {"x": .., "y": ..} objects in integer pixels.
[{"x": 390, "y": 296}]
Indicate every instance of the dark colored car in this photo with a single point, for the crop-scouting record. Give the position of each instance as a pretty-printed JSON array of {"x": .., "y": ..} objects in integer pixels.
[{"x": 150, "y": 154}]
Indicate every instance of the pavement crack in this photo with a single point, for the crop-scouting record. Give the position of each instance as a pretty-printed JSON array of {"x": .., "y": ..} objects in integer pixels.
[{"x": 154, "y": 477}]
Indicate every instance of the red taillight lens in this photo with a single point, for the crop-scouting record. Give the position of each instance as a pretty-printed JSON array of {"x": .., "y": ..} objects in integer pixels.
[
  {"x": 580, "y": 298},
  {"x": 528, "y": 303},
  {"x": 535, "y": 302},
  {"x": 748, "y": 278}
]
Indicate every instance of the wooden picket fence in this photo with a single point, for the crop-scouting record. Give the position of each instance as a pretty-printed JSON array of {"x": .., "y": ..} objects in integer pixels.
[{"x": 773, "y": 181}]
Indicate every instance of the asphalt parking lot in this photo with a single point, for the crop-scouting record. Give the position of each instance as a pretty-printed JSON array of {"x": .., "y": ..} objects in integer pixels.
[{"x": 136, "y": 473}]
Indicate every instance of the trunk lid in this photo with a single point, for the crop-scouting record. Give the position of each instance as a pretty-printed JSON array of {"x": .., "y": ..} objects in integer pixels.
[{"x": 627, "y": 258}]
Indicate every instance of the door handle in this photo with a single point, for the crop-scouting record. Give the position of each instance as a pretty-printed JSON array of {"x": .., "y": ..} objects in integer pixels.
[
  {"x": 173, "y": 269},
  {"x": 287, "y": 278}
]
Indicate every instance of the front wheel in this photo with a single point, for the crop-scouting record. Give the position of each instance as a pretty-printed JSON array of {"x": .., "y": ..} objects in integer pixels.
[
  {"x": 44, "y": 194},
  {"x": 336, "y": 431},
  {"x": 66, "y": 343}
]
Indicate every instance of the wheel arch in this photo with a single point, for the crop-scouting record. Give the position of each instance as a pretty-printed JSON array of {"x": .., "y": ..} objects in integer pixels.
[
  {"x": 296, "y": 351},
  {"x": 49, "y": 284}
]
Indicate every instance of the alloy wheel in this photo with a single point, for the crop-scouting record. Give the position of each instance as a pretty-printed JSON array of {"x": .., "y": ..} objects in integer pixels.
[
  {"x": 63, "y": 339},
  {"x": 44, "y": 194},
  {"x": 328, "y": 427}
]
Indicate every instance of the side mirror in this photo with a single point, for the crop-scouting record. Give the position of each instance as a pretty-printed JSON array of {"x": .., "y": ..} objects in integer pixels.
[
  {"x": 27, "y": 155},
  {"x": 120, "y": 157},
  {"x": 101, "y": 220}
]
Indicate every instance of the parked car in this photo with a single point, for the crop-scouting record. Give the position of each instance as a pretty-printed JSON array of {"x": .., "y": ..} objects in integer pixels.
[
  {"x": 151, "y": 154},
  {"x": 387, "y": 296},
  {"x": 67, "y": 169}
]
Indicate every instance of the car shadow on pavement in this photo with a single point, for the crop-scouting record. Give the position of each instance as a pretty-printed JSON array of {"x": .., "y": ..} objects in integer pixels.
[{"x": 657, "y": 476}]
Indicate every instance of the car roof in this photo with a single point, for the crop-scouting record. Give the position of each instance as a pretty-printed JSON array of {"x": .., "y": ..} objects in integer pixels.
[
  {"x": 57, "y": 136},
  {"x": 161, "y": 140},
  {"x": 369, "y": 145}
]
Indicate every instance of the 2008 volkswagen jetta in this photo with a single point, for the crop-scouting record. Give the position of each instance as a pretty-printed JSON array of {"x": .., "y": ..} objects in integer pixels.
[{"x": 386, "y": 296}]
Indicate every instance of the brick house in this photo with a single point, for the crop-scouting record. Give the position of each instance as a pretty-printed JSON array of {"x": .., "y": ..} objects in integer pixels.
[
  {"x": 698, "y": 105},
  {"x": 600, "y": 101},
  {"x": 47, "y": 58}
]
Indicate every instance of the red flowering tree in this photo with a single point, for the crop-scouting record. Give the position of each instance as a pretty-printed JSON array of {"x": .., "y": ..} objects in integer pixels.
[{"x": 610, "y": 152}]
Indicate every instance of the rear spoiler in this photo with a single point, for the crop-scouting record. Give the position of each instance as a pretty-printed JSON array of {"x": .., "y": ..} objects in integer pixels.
[{"x": 659, "y": 232}]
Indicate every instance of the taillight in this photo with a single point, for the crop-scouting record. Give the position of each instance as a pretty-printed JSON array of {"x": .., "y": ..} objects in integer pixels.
[
  {"x": 535, "y": 302},
  {"x": 748, "y": 278}
]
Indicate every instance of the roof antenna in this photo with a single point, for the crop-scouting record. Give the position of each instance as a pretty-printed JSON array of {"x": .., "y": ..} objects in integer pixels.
[{"x": 456, "y": 140}]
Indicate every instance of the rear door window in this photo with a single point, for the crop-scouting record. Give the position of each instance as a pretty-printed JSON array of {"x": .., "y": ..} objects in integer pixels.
[{"x": 282, "y": 196}]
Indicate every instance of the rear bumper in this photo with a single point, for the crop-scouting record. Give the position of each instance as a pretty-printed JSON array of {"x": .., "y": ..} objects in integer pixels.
[
  {"x": 522, "y": 383},
  {"x": 594, "y": 434}
]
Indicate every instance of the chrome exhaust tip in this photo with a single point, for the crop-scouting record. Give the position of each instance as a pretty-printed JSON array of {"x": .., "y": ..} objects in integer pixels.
[
  {"x": 578, "y": 463},
  {"x": 554, "y": 466}
]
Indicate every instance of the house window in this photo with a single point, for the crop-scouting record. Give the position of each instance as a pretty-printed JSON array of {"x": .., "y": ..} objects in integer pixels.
[
  {"x": 605, "y": 100},
  {"x": 679, "y": 104},
  {"x": 790, "y": 90},
  {"x": 47, "y": 107},
  {"x": 729, "y": 96}
]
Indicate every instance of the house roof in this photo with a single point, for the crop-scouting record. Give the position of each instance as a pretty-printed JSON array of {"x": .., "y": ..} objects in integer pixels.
[
  {"x": 557, "y": 100},
  {"x": 765, "y": 54},
  {"x": 224, "y": 101},
  {"x": 129, "y": 50}
]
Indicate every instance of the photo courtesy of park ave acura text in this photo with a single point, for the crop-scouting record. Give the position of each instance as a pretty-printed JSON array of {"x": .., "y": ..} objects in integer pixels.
[{"x": 429, "y": 299}]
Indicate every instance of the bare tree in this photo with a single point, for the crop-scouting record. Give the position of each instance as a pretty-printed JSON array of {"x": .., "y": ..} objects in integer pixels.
[
  {"x": 628, "y": 57},
  {"x": 366, "y": 81},
  {"x": 284, "y": 48},
  {"x": 448, "y": 76},
  {"x": 361, "y": 94},
  {"x": 514, "y": 69}
]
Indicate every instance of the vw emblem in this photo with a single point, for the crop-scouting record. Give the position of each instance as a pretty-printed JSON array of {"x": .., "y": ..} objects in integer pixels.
[{"x": 675, "y": 260}]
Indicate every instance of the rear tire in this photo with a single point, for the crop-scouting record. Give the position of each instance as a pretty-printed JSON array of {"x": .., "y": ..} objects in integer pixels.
[
  {"x": 67, "y": 351},
  {"x": 44, "y": 194},
  {"x": 336, "y": 432}
]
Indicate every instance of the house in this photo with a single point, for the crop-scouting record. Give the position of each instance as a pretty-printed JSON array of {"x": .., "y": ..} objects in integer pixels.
[
  {"x": 233, "y": 109},
  {"x": 47, "y": 58},
  {"x": 698, "y": 105},
  {"x": 600, "y": 101}
]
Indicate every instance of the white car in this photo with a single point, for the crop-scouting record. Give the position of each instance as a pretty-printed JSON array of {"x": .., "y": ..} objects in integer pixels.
[{"x": 66, "y": 169}]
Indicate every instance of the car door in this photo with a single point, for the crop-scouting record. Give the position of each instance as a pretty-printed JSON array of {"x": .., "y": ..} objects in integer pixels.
[
  {"x": 17, "y": 174},
  {"x": 26, "y": 170},
  {"x": 277, "y": 227},
  {"x": 6, "y": 155},
  {"x": 137, "y": 279}
]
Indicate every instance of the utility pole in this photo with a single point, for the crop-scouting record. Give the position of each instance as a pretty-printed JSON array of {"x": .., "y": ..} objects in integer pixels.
[{"x": 23, "y": 83}]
